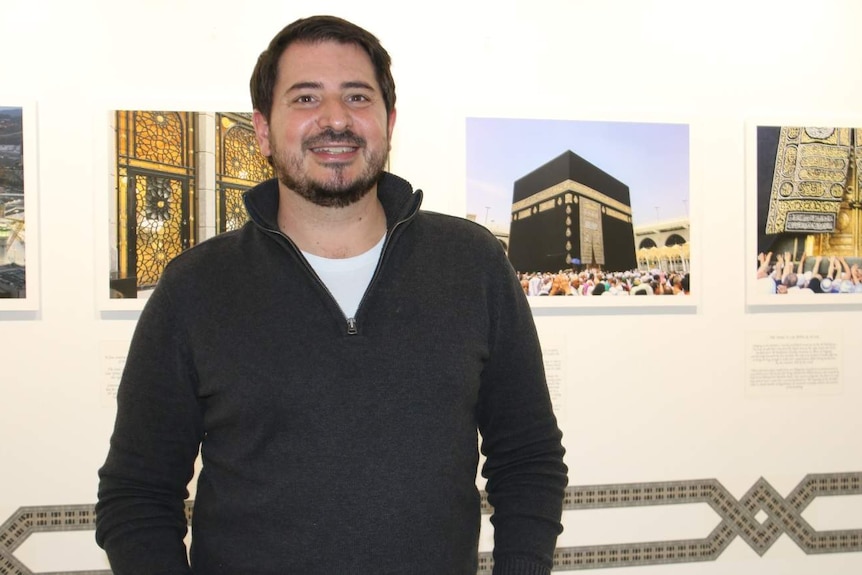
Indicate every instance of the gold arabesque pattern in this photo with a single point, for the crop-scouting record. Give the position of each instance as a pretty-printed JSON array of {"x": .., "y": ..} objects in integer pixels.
[
  {"x": 155, "y": 171},
  {"x": 240, "y": 167}
]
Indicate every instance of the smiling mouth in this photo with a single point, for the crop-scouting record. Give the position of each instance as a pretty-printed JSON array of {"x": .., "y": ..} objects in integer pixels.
[
  {"x": 332, "y": 143},
  {"x": 334, "y": 149}
]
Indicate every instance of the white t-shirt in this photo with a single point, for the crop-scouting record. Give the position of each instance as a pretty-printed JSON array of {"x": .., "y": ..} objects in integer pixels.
[{"x": 347, "y": 278}]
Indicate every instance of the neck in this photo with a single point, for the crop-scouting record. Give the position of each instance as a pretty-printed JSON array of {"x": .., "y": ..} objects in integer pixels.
[{"x": 331, "y": 232}]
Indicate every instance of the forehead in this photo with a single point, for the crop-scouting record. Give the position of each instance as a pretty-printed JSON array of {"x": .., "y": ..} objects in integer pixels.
[{"x": 325, "y": 61}]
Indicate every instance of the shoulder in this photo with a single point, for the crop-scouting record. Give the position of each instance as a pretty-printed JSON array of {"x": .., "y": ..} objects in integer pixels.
[
  {"x": 461, "y": 247},
  {"x": 454, "y": 227},
  {"x": 215, "y": 247},
  {"x": 464, "y": 240},
  {"x": 208, "y": 260}
]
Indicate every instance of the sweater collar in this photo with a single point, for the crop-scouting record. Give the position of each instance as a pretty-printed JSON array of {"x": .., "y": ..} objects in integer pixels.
[{"x": 399, "y": 200}]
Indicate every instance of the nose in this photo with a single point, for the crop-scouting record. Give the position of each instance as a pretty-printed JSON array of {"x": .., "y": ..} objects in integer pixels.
[{"x": 334, "y": 114}]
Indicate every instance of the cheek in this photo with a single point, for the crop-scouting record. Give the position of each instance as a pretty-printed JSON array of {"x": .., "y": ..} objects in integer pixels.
[
  {"x": 292, "y": 131},
  {"x": 373, "y": 126}
]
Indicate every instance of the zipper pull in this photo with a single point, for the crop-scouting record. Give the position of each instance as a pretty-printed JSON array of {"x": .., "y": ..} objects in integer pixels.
[{"x": 351, "y": 326}]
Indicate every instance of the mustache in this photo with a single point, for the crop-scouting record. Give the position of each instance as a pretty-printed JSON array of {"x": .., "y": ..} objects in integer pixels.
[{"x": 330, "y": 137}]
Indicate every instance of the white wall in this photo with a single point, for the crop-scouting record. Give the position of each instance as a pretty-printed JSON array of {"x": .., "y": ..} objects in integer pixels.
[{"x": 646, "y": 397}]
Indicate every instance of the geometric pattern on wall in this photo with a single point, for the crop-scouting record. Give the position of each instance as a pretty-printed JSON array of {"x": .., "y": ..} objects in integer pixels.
[
  {"x": 54, "y": 518},
  {"x": 29, "y": 520},
  {"x": 736, "y": 518}
]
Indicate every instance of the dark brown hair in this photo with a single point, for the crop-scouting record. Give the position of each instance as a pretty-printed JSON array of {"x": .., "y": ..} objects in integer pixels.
[{"x": 318, "y": 29}]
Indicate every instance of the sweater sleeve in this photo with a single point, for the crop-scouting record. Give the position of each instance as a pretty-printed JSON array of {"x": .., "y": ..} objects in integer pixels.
[
  {"x": 140, "y": 516},
  {"x": 526, "y": 476}
]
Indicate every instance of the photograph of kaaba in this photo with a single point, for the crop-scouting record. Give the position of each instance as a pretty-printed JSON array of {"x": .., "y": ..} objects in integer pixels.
[
  {"x": 13, "y": 257},
  {"x": 809, "y": 212},
  {"x": 178, "y": 179},
  {"x": 584, "y": 207}
]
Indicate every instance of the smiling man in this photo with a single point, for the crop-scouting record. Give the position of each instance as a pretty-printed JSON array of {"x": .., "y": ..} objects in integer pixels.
[
  {"x": 337, "y": 406},
  {"x": 326, "y": 132}
]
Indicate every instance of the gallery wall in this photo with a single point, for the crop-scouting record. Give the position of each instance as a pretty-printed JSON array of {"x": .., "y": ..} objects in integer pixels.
[{"x": 670, "y": 437}]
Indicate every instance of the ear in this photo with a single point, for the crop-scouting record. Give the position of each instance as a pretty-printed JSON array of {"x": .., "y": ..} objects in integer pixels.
[
  {"x": 391, "y": 124},
  {"x": 261, "y": 130}
]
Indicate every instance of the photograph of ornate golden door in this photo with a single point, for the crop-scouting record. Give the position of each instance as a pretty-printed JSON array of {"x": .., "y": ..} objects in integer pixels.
[
  {"x": 155, "y": 173},
  {"x": 816, "y": 189},
  {"x": 240, "y": 167}
]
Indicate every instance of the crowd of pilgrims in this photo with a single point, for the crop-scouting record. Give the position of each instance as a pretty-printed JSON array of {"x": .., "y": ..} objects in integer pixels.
[
  {"x": 820, "y": 274},
  {"x": 597, "y": 282}
]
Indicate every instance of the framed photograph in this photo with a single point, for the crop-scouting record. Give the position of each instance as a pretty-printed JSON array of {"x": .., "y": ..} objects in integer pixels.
[
  {"x": 804, "y": 194},
  {"x": 586, "y": 208},
  {"x": 173, "y": 179},
  {"x": 19, "y": 233}
]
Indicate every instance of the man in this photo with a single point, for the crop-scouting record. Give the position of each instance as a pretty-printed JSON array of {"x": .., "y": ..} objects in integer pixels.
[{"x": 335, "y": 405}]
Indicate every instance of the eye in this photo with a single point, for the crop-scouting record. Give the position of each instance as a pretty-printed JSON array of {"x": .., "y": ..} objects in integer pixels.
[
  {"x": 304, "y": 99},
  {"x": 358, "y": 98}
]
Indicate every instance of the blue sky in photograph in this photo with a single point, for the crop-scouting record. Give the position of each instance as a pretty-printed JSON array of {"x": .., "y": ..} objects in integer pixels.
[{"x": 652, "y": 159}]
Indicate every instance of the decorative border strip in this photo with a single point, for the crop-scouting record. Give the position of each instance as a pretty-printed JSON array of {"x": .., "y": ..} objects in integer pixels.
[
  {"x": 29, "y": 520},
  {"x": 784, "y": 515},
  {"x": 737, "y": 519}
]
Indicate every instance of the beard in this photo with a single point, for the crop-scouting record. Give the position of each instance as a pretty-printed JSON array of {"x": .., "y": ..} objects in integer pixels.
[{"x": 337, "y": 191}]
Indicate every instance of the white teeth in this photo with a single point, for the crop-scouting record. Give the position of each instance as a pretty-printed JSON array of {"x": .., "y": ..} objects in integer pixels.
[{"x": 334, "y": 150}]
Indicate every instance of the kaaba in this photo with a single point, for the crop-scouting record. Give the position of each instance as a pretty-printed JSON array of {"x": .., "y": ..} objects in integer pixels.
[{"x": 570, "y": 214}]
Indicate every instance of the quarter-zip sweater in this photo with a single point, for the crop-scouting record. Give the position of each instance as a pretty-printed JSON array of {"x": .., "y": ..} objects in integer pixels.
[{"x": 334, "y": 445}]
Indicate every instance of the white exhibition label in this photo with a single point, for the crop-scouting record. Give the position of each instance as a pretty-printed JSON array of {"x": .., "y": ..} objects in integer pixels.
[
  {"x": 782, "y": 363},
  {"x": 113, "y": 361}
]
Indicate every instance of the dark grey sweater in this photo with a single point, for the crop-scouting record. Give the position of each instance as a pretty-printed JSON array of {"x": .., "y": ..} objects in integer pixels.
[{"x": 329, "y": 446}]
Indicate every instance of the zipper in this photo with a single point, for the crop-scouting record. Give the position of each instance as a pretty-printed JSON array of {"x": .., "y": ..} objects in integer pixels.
[
  {"x": 352, "y": 327},
  {"x": 351, "y": 323}
]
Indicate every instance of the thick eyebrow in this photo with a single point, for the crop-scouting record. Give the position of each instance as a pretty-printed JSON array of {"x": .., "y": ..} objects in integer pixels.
[
  {"x": 358, "y": 84},
  {"x": 319, "y": 86},
  {"x": 304, "y": 86}
]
